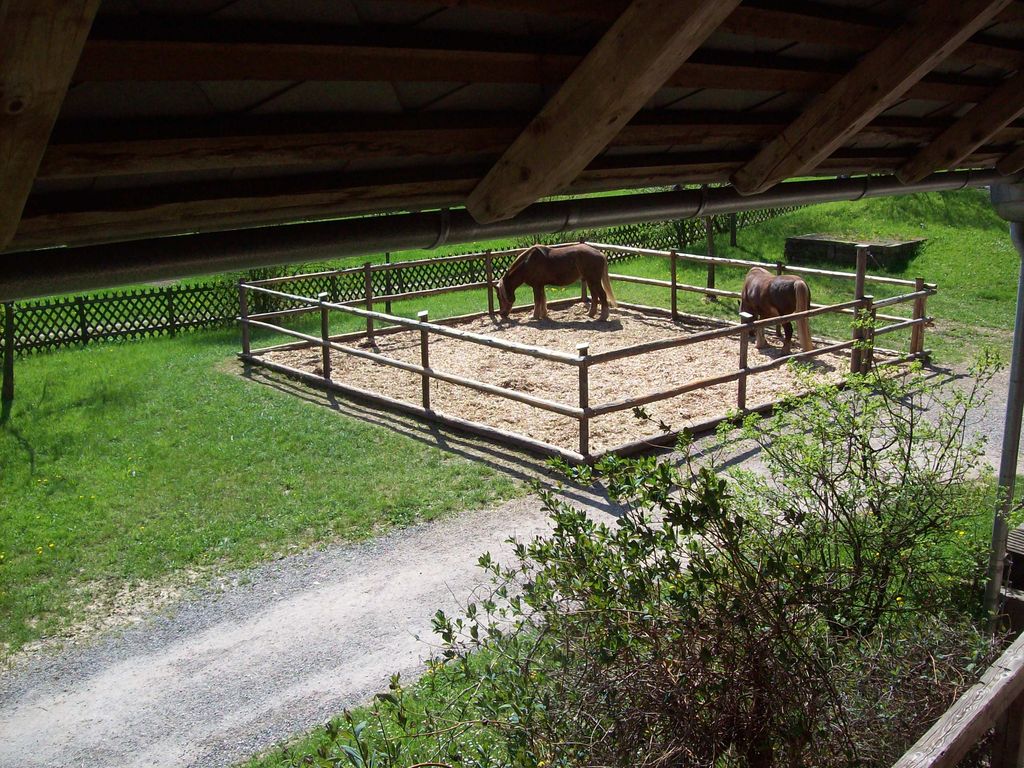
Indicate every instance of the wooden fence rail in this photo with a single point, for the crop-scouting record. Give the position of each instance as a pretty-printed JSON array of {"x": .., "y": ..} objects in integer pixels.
[{"x": 996, "y": 701}]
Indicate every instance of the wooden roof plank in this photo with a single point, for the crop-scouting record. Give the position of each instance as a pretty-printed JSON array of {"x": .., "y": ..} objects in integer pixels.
[
  {"x": 40, "y": 43},
  {"x": 879, "y": 78},
  {"x": 1013, "y": 162},
  {"x": 984, "y": 121},
  {"x": 629, "y": 64},
  {"x": 280, "y": 146}
]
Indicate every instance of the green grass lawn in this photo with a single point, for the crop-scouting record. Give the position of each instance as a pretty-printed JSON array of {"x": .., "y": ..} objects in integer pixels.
[{"x": 136, "y": 461}]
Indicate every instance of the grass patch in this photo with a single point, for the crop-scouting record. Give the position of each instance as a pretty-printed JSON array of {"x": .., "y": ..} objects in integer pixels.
[{"x": 129, "y": 462}]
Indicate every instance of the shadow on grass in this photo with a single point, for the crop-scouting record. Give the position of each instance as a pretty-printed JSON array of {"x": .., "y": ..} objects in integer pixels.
[{"x": 502, "y": 458}]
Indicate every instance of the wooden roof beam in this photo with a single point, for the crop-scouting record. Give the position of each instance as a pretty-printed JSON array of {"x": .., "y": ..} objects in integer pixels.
[
  {"x": 1012, "y": 163},
  {"x": 260, "y": 144},
  {"x": 984, "y": 121},
  {"x": 879, "y": 78},
  {"x": 628, "y": 65},
  {"x": 40, "y": 43}
]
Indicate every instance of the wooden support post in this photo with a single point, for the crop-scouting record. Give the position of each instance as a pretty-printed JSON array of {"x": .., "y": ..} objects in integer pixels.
[
  {"x": 673, "y": 262},
  {"x": 780, "y": 268},
  {"x": 856, "y": 353},
  {"x": 368, "y": 293},
  {"x": 732, "y": 229},
  {"x": 83, "y": 320},
  {"x": 741, "y": 383},
  {"x": 7, "y": 389},
  {"x": 387, "y": 283},
  {"x": 334, "y": 289},
  {"x": 1008, "y": 739},
  {"x": 709, "y": 236},
  {"x": 325, "y": 333},
  {"x": 917, "y": 332},
  {"x": 172, "y": 321},
  {"x": 583, "y": 350},
  {"x": 424, "y": 359},
  {"x": 243, "y": 315},
  {"x": 489, "y": 267},
  {"x": 867, "y": 358},
  {"x": 862, "y": 268}
]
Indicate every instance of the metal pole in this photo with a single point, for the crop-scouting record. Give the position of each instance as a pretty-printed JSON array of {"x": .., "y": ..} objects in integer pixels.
[
  {"x": 64, "y": 270},
  {"x": 1011, "y": 445}
]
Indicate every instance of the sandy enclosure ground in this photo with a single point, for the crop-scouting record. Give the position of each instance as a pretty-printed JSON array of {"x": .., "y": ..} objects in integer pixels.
[{"x": 615, "y": 380}]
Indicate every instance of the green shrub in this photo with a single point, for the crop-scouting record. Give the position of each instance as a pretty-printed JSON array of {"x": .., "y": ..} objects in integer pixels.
[{"x": 818, "y": 614}]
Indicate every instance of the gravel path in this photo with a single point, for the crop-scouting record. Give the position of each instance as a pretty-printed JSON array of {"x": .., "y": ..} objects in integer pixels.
[{"x": 231, "y": 673}]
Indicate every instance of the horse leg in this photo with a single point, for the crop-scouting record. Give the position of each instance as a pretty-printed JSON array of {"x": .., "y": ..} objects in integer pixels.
[
  {"x": 539, "y": 303},
  {"x": 597, "y": 294},
  {"x": 762, "y": 343},
  {"x": 789, "y": 337}
]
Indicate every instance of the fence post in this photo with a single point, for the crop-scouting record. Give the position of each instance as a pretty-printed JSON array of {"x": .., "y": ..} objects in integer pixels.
[
  {"x": 171, "y": 319},
  {"x": 780, "y": 268},
  {"x": 732, "y": 229},
  {"x": 867, "y": 359},
  {"x": 583, "y": 350},
  {"x": 83, "y": 321},
  {"x": 709, "y": 236},
  {"x": 368, "y": 292},
  {"x": 1008, "y": 739},
  {"x": 7, "y": 388},
  {"x": 424, "y": 359},
  {"x": 243, "y": 315},
  {"x": 387, "y": 283},
  {"x": 673, "y": 259},
  {"x": 856, "y": 354},
  {"x": 325, "y": 333},
  {"x": 741, "y": 383},
  {"x": 917, "y": 332},
  {"x": 335, "y": 296},
  {"x": 489, "y": 274},
  {"x": 862, "y": 268}
]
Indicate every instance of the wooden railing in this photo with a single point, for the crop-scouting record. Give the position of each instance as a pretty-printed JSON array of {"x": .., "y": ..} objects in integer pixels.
[
  {"x": 862, "y": 342},
  {"x": 995, "y": 702}
]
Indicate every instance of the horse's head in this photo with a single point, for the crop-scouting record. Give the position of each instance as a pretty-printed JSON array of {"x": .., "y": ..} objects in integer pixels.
[{"x": 505, "y": 299}]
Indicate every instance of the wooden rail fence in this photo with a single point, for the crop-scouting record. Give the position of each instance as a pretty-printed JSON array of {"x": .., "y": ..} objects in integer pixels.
[{"x": 298, "y": 300}]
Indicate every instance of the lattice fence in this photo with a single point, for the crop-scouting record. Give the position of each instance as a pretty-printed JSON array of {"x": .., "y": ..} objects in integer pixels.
[
  {"x": 55, "y": 323},
  {"x": 137, "y": 314}
]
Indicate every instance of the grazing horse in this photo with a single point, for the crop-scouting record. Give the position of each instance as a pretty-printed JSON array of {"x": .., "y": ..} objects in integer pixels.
[
  {"x": 767, "y": 295},
  {"x": 542, "y": 265}
]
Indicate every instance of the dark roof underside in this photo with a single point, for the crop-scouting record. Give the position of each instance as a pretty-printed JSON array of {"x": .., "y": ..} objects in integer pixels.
[{"x": 202, "y": 115}]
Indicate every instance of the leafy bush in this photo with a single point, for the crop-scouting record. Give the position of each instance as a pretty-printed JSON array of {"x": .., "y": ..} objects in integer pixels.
[{"x": 816, "y": 614}]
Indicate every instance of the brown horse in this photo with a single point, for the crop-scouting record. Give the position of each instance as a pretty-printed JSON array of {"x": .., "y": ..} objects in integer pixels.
[
  {"x": 767, "y": 295},
  {"x": 542, "y": 265}
]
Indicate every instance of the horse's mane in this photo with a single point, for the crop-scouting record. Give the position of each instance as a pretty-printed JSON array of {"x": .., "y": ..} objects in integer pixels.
[{"x": 519, "y": 260}]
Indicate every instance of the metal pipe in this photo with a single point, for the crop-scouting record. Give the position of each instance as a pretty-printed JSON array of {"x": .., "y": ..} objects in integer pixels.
[
  {"x": 1011, "y": 444},
  {"x": 62, "y": 270}
]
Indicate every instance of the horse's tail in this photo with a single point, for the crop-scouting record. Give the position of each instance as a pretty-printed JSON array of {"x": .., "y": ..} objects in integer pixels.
[
  {"x": 606, "y": 283},
  {"x": 803, "y": 303}
]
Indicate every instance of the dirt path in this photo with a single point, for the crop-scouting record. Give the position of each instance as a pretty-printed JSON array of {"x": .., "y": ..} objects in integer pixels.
[
  {"x": 292, "y": 643},
  {"x": 231, "y": 674}
]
